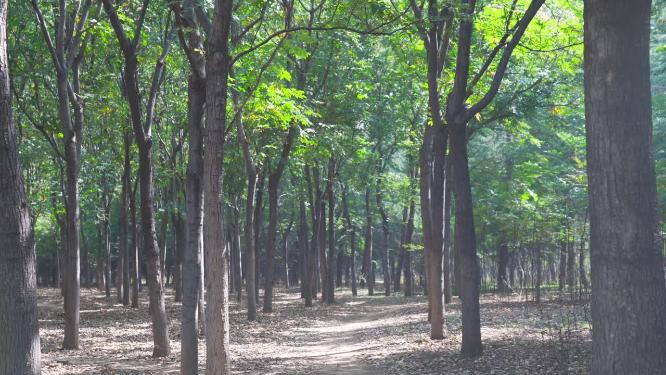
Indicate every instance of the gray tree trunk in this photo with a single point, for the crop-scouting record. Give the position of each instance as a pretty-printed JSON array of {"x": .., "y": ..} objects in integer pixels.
[
  {"x": 628, "y": 290},
  {"x": 19, "y": 327}
]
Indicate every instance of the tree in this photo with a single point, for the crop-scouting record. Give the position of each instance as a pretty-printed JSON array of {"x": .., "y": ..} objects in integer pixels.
[
  {"x": 19, "y": 327},
  {"x": 67, "y": 54},
  {"x": 142, "y": 134},
  {"x": 216, "y": 253},
  {"x": 628, "y": 292}
]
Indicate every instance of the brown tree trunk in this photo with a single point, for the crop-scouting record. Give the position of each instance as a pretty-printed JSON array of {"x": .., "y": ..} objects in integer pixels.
[
  {"x": 216, "y": 254},
  {"x": 628, "y": 290},
  {"x": 190, "y": 39},
  {"x": 367, "y": 252},
  {"x": 385, "y": 243},
  {"x": 352, "y": 240},
  {"x": 562, "y": 278},
  {"x": 134, "y": 248},
  {"x": 124, "y": 227},
  {"x": 502, "y": 261},
  {"x": 19, "y": 327},
  {"x": 465, "y": 241},
  {"x": 142, "y": 134}
]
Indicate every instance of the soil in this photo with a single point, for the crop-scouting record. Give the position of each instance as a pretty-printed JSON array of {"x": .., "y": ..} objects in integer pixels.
[{"x": 357, "y": 336}]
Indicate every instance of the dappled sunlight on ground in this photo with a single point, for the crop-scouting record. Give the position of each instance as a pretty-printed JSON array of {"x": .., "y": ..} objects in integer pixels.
[{"x": 357, "y": 335}]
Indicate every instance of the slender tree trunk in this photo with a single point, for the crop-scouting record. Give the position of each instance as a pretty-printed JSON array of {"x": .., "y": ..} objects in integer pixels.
[
  {"x": 352, "y": 240},
  {"x": 367, "y": 252},
  {"x": 332, "y": 250},
  {"x": 134, "y": 248},
  {"x": 238, "y": 262},
  {"x": 539, "y": 270},
  {"x": 407, "y": 265},
  {"x": 285, "y": 248},
  {"x": 581, "y": 257},
  {"x": 19, "y": 330},
  {"x": 446, "y": 250},
  {"x": 181, "y": 244},
  {"x": 385, "y": 253},
  {"x": 628, "y": 289},
  {"x": 465, "y": 241},
  {"x": 106, "y": 229},
  {"x": 216, "y": 254},
  {"x": 502, "y": 260},
  {"x": 124, "y": 227},
  {"x": 308, "y": 261},
  {"x": 563, "y": 266}
]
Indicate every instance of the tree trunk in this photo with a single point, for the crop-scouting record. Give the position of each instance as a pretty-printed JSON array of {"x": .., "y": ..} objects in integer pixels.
[
  {"x": 465, "y": 241},
  {"x": 124, "y": 227},
  {"x": 407, "y": 263},
  {"x": 134, "y": 248},
  {"x": 285, "y": 248},
  {"x": 352, "y": 240},
  {"x": 257, "y": 230},
  {"x": 308, "y": 261},
  {"x": 19, "y": 330},
  {"x": 502, "y": 261},
  {"x": 106, "y": 229},
  {"x": 216, "y": 254},
  {"x": 563, "y": 266},
  {"x": 332, "y": 250},
  {"x": 385, "y": 253},
  {"x": 629, "y": 294},
  {"x": 539, "y": 267},
  {"x": 446, "y": 251},
  {"x": 181, "y": 243},
  {"x": 367, "y": 252}
]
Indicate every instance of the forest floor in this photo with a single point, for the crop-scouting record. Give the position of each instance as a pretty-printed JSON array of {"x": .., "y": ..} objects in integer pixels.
[{"x": 357, "y": 336}]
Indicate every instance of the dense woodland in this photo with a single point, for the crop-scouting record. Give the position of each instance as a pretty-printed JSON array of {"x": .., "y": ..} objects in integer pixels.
[{"x": 205, "y": 169}]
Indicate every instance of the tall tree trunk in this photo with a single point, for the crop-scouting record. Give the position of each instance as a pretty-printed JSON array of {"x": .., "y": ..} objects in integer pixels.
[
  {"x": 446, "y": 250},
  {"x": 143, "y": 137},
  {"x": 124, "y": 247},
  {"x": 539, "y": 269},
  {"x": 216, "y": 254},
  {"x": 352, "y": 240},
  {"x": 332, "y": 251},
  {"x": 308, "y": 261},
  {"x": 584, "y": 284},
  {"x": 106, "y": 229},
  {"x": 629, "y": 294},
  {"x": 465, "y": 241},
  {"x": 385, "y": 253},
  {"x": 407, "y": 265},
  {"x": 19, "y": 330},
  {"x": 134, "y": 248},
  {"x": 562, "y": 278},
  {"x": 502, "y": 261},
  {"x": 181, "y": 243},
  {"x": 238, "y": 261},
  {"x": 571, "y": 264},
  {"x": 367, "y": 251},
  {"x": 285, "y": 248}
]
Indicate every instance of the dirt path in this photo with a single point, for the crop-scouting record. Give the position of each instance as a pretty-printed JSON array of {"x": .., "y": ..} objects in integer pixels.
[{"x": 356, "y": 336}]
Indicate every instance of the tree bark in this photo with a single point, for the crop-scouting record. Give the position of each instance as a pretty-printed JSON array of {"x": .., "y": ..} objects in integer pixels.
[
  {"x": 144, "y": 141},
  {"x": 273, "y": 185},
  {"x": 629, "y": 293},
  {"x": 19, "y": 330},
  {"x": 352, "y": 240},
  {"x": 385, "y": 253},
  {"x": 502, "y": 261},
  {"x": 124, "y": 227},
  {"x": 562, "y": 278},
  {"x": 367, "y": 252},
  {"x": 216, "y": 253}
]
